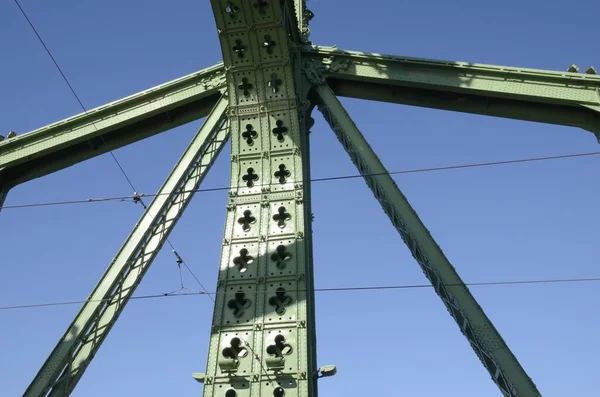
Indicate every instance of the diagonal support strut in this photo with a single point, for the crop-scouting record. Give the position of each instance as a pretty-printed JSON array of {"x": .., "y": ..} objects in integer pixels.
[
  {"x": 3, "y": 193},
  {"x": 75, "y": 350},
  {"x": 489, "y": 346}
]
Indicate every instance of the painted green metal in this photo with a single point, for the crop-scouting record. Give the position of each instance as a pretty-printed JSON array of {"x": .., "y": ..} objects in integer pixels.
[
  {"x": 563, "y": 98},
  {"x": 111, "y": 126},
  {"x": 303, "y": 16},
  {"x": 75, "y": 350},
  {"x": 262, "y": 341},
  {"x": 485, "y": 340},
  {"x": 3, "y": 193}
]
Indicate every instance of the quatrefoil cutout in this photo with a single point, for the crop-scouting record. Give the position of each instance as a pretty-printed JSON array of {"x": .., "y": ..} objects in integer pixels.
[
  {"x": 247, "y": 220},
  {"x": 274, "y": 82},
  {"x": 282, "y": 174},
  {"x": 281, "y": 256},
  {"x": 249, "y": 135},
  {"x": 250, "y": 177},
  {"x": 243, "y": 260},
  {"x": 279, "y": 348},
  {"x": 239, "y": 48},
  {"x": 268, "y": 44},
  {"x": 282, "y": 216},
  {"x": 280, "y": 300},
  {"x": 235, "y": 350},
  {"x": 245, "y": 86},
  {"x": 280, "y": 130},
  {"x": 261, "y": 5},
  {"x": 239, "y": 304}
]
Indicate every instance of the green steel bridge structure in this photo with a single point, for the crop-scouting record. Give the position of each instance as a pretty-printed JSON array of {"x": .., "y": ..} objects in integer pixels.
[{"x": 261, "y": 97}]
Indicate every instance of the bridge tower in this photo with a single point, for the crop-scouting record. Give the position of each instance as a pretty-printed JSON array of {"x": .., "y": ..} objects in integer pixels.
[{"x": 263, "y": 340}]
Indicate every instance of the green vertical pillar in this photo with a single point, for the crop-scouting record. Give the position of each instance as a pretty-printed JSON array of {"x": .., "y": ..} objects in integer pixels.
[{"x": 263, "y": 335}]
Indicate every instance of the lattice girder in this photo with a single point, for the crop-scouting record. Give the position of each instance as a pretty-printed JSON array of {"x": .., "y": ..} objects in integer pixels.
[
  {"x": 564, "y": 98},
  {"x": 75, "y": 350},
  {"x": 111, "y": 126}
]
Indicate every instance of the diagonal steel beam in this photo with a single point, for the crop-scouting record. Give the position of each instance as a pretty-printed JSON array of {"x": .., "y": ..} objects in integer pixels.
[
  {"x": 563, "y": 98},
  {"x": 69, "y": 359},
  {"x": 81, "y": 137},
  {"x": 489, "y": 346},
  {"x": 3, "y": 192}
]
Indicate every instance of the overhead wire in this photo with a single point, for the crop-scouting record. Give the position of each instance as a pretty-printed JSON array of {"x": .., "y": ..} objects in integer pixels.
[
  {"x": 94, "y": 125},
  {"x": 327, "y": 289},
  {"x": 323, "y": 179},
  {"x": 180, "y": 260},
  {"x": 70, "y": 86}
]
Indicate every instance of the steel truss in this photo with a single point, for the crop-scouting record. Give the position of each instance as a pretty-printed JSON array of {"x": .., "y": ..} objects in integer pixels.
[
  {"x": 73, "y": 353},
  {"x": 487, "y": 343},
  {"x": 262, "y": 96}
]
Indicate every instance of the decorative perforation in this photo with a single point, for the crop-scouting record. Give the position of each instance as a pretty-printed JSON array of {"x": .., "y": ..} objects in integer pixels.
[
  {"x": 240, "y": 305},
  {"x": 282, "y": 173},
  {"x": 250, "y": 134},
  {"x": 281, "y": 258},
  {"x": 247, "y": 87},
  {"x": 262, "y": 11},
  {"x": 282, "y": 217},
  {"x": 250, "y": 176},
  {"x": 247, "y": 221},
  {"x": 243, "y": 263},
  {"x": 234, "y": 355},
  {"x": 280, "y": 131},
  {"x": 283, "y": 387},
  {"x": 233, "y": 15},
  {"x": 274, "y": 79},
  {"x": 269, "y": 44},
  {"x": 232, "y": 389},
  {"x": 279, "y": 343},
  {"x": 280, "y": 299},
  {"x": 240, "y": 50}
]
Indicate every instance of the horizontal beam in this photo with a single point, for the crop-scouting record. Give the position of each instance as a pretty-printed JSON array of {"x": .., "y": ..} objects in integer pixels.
[
  {"x": 563, "y": 98},
  {"x": 108, "y": 127}
]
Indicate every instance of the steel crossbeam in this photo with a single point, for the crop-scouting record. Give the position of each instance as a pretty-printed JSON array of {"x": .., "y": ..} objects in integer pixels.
[
  {"x": 485, "y": 340},
  {"x": 564, "y": 98},
  {"x": 109, "y": 127},
  {"x": 73, "y": 353}
]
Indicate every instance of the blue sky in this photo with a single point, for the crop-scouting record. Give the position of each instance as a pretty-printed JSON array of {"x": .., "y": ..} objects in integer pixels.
[{"x": 514, "y": 222}]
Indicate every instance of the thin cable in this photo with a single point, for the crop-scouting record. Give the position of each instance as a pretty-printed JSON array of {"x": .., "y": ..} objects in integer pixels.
[
  {"x": 70, "y": 86},
  {"x": 49, "y": 53},
  {"x": 111, "y": 153},
  {"x": 227, "y": 188},
  {"x": 330, "y": 289},
  {"x": 325, "y": 179},
  {"x": 180, "y": 261},
  {"x": 471, "y": 165},
  {"x": 181, "y": 277},
  {"x": 476, "y": 284},
  {"x": 90, "y": 200},
  {"x": 120, "y": 166}
]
